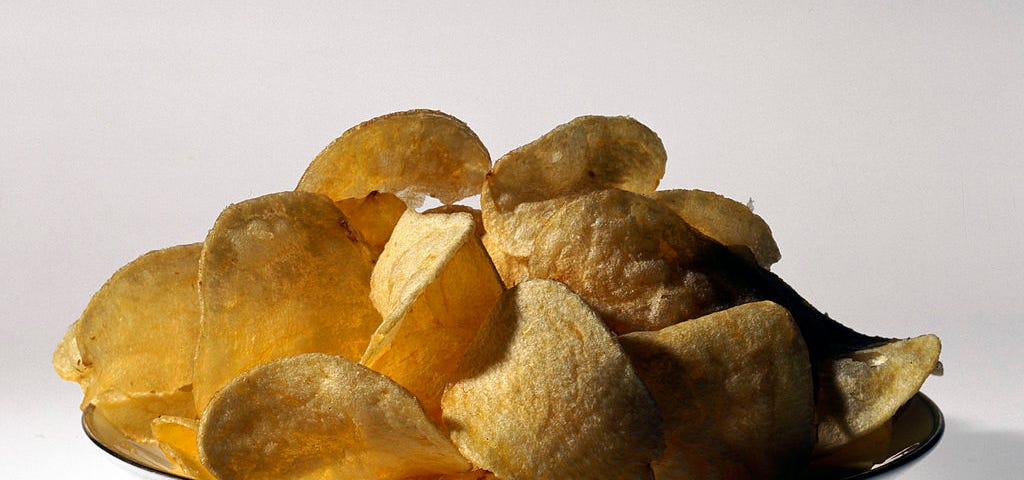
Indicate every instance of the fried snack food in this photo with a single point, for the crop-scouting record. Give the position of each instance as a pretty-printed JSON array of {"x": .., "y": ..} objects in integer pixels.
[
  {"x": 547, "y": 392},
  {"x": 580, "y": 324},
  {"x": 281, "y": 274},
  {"x": 321, "y": 416}
]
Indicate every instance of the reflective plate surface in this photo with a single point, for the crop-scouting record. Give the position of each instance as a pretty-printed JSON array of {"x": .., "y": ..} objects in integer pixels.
[{"x": 916, "y": 428}]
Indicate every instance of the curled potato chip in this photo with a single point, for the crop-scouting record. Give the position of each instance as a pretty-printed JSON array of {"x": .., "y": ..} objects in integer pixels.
[
  {"x": 409, "y": 154},
  {"x": 133, "y": 415},
  {"x": 636, "y": 262},
  {"x": 281, "y": 274},
  {"x": 735, "y": 392},
  {"x": 373, "y": 216},
  {"x": 122, "y": 336},
  {"x": 727, "y": 221},
  {"x": 589, "y": 153},
  {"x": 434, "y": 285},
  {"x": 176, "y": 437},
  {"x": 67, "y": 358},
  {"x": 862, "y": 390},
  {"x": 478, "y": 219},
  {"x": 546, "y": 392},
  {"x": 321, "y": 416}
]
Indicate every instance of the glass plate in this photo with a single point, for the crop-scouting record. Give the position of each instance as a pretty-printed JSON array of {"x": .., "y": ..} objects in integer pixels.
[{"x": 916, "y": 428}]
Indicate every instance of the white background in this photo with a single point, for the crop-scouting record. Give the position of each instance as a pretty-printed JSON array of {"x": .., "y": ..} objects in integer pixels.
[{"x": 883, "y": 143}]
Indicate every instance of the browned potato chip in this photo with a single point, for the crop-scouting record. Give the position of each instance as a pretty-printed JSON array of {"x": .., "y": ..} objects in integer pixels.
[
  {"x": 546, "y": 392},
  {"x": 589, "y": 153},
  {"x": 123, "y": 334},
  {"x": 735, "y": 392},
  {"x": 281, "y": 274},
  {"x": 374, "y": 217},
  {"x": 410, "y": 154},
  {"x": 176, "y": 437},
  {"x": 321, "y": 416},
  {"x": 133, "y": 415},
  {"x": 860, "y": 391},
  {"x": 727, "y": 221},
  {"x": 636, "y": 262},
  {"x": 434, "y": 285}
]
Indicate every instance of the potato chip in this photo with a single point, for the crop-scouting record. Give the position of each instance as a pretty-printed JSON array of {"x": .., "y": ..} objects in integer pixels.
[
  {"x": 281, "y": 274},
  {"x": 589, "y": 153},
  {"x": 735, "y": 392},
  {"x": 727, "y": 221},
  {"x": 637, "y": 263},
  {"x": 123, "y": 333},
  {"x": 176, "y": 437},
  {"x": 434, "y": 285},
  {"x": 67, "y": 358},
  {"x": 374, "y": 217},
  {"x": 546, "y": 392},
  {"x": 409, "y": 154},
  {"x": 860, "y": 391},
  {"x": 478, "y": 219},
  {"x": 321, "y": 416},
  {"x": 133, "y": 415}
]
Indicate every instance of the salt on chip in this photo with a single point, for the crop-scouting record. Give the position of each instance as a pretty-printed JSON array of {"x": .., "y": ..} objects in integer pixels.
[
  {"x": 177, "y": 438},
  {"x": 588, "y": 153},
  {"x": 725, "y": 220},
  {"x": 138, "y": 333},
  {"x": 434, "y": 285},
  {"x": 410, "y": 154},
  {"x": 281, "y": 274},
  {"x": 735, "y": 392},
  {"x": 546, "y": 392},
  {"x": 860, "y": 391},
  {"x": 321, "y": 416},
  {"x": 374, "y": 217}
]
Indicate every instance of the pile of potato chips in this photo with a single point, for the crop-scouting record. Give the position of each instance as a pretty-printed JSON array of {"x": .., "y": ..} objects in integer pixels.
[{"x": 580, "y": 325}]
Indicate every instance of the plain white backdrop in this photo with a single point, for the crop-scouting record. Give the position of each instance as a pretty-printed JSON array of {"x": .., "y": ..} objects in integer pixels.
[{"x": 882, "y": 142}]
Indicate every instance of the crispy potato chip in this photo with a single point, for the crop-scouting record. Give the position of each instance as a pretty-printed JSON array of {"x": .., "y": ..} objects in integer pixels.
[
  {"x": 637, "y": 263},
  {"x": 123, "y": 333},
  {"x": 589, "y": 153},
  {"x": 176, "y": 437},
  {"x": 281, "y": 274},
  {"x": 434, "y": 285},
  {"x": 547, "y": 392},
  {"x": 374, "y": 217},
  {"x": 478, "y": 219},
  {"x": 67, "y": 358},
  {"x": 133, "y": 415},
  {"x": 409, "y": 154},
  {"x": 727, "y": 221},
  {"x": 860, "y": 391},
  {"x": 735, "y": 392},
  {"x": 321, "y": 416}
]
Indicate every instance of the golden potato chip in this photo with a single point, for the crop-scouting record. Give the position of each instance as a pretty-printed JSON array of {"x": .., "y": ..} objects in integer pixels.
[
  {"x": 434, "y": 285},
  {"x": 637, "y": 263},
  {"x": 546, "y": 392},
  {"x": 478, "y": 219},
  {"x": 410, "y": 154},
  {"x": 374, "y": 217},
  {"x": 124, "y": 335},
  {"x": 133, "y": 415},
  {"x": 176, "y": 437},
  {"x": 281, "y": 274},
  {"x": 67, "y": 358},
  {"x": 321, "y": 416},
  {"x": 860, "y": 391},
  {"x": 735, "y": 392},
  {"x": 727, "y": 221},
  {"x": 589, "y": 153}
]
